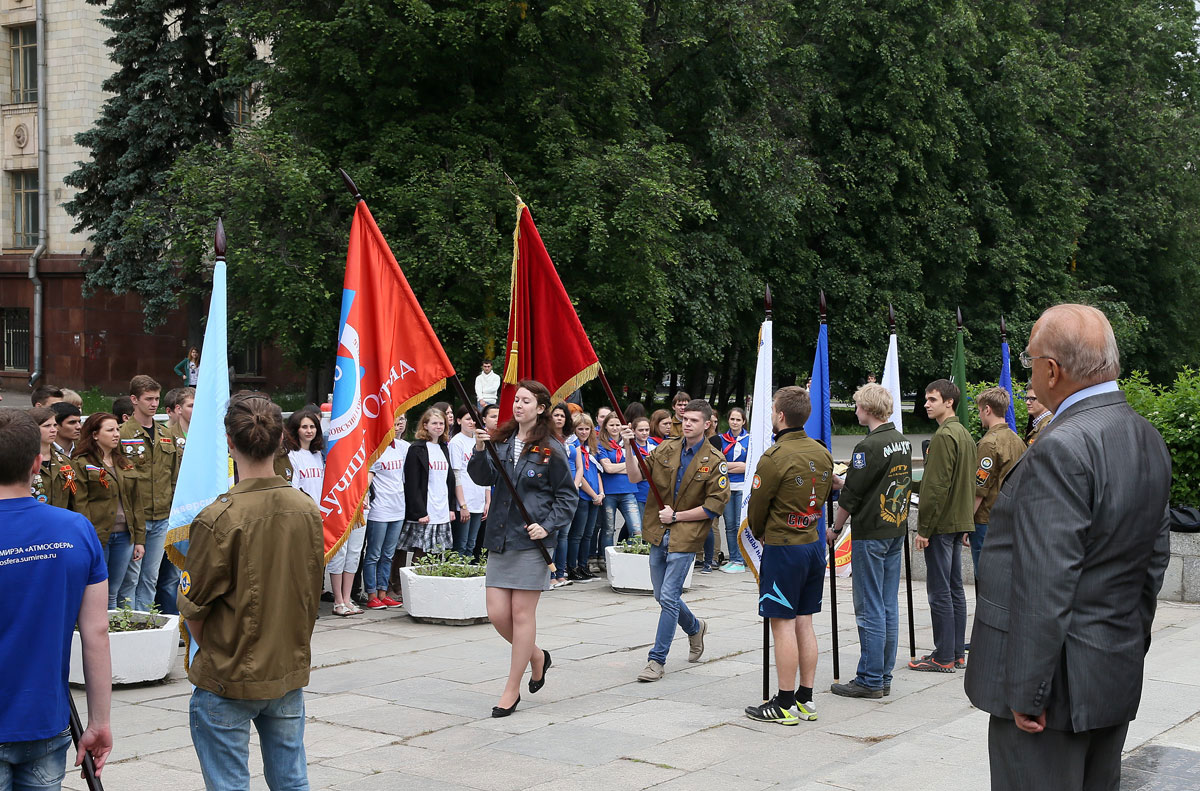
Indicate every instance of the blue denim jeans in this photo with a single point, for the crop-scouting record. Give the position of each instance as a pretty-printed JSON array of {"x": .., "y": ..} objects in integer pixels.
[
  {"x": 668, "y": 570},
  {"x": 597, "y": 535},
  {"x": 876, "y": 583},
  {"x": 35, "y": 765},
  {"x": 221, "y": 735},
  {"x": 465, "y": 533},
  {"x": 118, "y": 554},
  {"x": 977, "y": 539},
  {"x": 627, "y": 504},
  {"x": 733, "y": 524},
  {"x": 167, "y": 587},
  {"x": 141, "y": 580},
  {"x": 583, "y": 530},
  {"x": 381, "y": 547},
  {"x": 947, "y": 601}
]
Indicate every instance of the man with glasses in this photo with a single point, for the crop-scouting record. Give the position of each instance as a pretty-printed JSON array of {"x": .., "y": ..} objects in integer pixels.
[
  {"x": 1038, "y": 414},
  {"x": 1077, "y": 547}
]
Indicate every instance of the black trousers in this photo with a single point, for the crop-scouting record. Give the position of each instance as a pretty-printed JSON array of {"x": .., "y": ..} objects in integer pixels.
[{"x": 1054, "y": 760}]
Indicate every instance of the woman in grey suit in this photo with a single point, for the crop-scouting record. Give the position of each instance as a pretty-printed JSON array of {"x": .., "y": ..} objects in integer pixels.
[{"x": 516, "y": 570}]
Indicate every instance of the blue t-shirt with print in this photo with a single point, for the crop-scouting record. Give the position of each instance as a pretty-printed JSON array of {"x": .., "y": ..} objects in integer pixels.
[
  {"x": 614, "y": 482},
  {"x": 591, "y": 472},
  {"x": 735, "y": 449},
  {"x": 48, "y": 555},
  {"x": 643, "y": 488}
]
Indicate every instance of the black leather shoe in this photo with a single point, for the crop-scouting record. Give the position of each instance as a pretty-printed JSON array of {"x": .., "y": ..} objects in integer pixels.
[
  {"x": 536, "y": 684},
  {"x": 497, "y": 711}
]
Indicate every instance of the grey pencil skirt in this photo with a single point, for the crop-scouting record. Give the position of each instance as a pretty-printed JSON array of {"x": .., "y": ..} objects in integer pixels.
[{"x": 518, "y": 569}]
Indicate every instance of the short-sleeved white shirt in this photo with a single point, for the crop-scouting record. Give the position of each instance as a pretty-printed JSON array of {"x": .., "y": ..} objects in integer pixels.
[
  {"x": 474, "y": 495},
  {"x": 437, "y": 503},
  {"x": 308, "y": 472},
  {"x": 388, "y": 483}
]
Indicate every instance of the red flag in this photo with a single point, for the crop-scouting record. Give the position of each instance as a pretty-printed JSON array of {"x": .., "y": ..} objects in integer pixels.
[
  {"x": 388, "y": 359},
  {"x": 546, "y": 341}
]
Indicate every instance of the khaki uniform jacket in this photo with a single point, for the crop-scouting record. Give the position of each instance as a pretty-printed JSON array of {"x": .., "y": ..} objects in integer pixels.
[
  {"x": 56, "y": 483},
  {"x": 155, "y": 456},
  {"x": 96, "y": 494},
  {"x": 1035, "y": 427},
  {"x": 998, "y": 453},
  {"x": 878, "y": 484},
  {"x": 253, "y": 575},
  {"x": 948, "y": 486},
  {"x": 791, "y": 484},
  {"x": 705, "y": 483},
  {"x": 283, "y": 466}
]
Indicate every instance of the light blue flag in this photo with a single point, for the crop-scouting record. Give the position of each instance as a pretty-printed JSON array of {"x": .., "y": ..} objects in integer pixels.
[
  {"x": 820, "y": 423},
  {"x": 1010, "y": 416},
  {"x": 204, "y": 474}
]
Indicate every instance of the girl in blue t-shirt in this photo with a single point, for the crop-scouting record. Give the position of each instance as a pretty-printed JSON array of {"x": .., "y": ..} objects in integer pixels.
[
  {"x": 644, "y": 443},
  {"x": 735, "y": 444},
  {"x": 585, "y": 468},
  {"x": 619, "y": 493}
]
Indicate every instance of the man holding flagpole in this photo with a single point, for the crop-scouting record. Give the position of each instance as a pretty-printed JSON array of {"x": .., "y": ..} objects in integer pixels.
[{"x": 791, "y": 483}]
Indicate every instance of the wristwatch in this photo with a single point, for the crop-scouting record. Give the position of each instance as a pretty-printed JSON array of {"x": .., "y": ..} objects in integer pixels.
[{"x": 674, "y": 516}]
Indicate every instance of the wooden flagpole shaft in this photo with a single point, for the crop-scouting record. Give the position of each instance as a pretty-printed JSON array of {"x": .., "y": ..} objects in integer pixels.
[
  {"x": 491, "y": 450},
  {"x": 637, "y": 453},
  {"x": 837, "y": 665},
  {"x": 89, "y": 766}
]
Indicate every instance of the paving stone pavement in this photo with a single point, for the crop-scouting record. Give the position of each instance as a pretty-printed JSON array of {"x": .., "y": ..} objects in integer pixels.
[{"x": 397, "y": 704}]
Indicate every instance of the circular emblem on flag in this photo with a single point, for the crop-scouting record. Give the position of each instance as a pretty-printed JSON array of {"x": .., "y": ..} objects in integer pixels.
[
  {"x": 185, "y": 583},
  {"x": 986, "y": 462},
  {"x": 757, "y": 482}
]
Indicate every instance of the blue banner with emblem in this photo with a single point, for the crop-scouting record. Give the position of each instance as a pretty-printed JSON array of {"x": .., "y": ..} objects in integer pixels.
[
  {"x": 820, "y": 423},
  {"x": 1010, "y": 417},
  {"x": 205, "y": 472}
]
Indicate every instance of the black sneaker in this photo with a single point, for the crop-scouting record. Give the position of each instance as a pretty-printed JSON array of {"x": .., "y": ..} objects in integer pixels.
[
  {"x": 771, "y": 711},
  {"x": 855, "y": 690},
  {"x": 960, "y": 663},
  {"x": 931, "y": 665}
]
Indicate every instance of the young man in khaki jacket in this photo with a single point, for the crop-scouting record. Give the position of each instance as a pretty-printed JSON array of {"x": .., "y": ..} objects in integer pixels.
[{"x": 693, "y": 479}]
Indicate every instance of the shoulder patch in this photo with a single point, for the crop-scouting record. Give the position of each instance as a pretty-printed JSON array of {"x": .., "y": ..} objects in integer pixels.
[
  {"x": 185, "y": 583},
  {"x": 985, "y": 463},
  {"x": 981, "y": 477},
  {"x": 859, "y": 461},
  {"x": 723, "y": 468},
  {"x": 757, "y": 482},
  {"x": 722, "y": 482}
]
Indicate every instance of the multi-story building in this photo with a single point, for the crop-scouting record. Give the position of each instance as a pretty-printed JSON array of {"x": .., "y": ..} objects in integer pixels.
[{"x": 97, "y": 341}]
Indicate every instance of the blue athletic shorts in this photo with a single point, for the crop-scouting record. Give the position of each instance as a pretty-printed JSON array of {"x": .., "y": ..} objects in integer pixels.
[{"x": 791, "y": 580}]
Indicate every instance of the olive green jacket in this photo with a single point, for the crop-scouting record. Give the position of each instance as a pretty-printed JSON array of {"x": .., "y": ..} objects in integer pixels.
[
  {"x": 948, "y": 486},
  {"x": 791, "y": 483},
  {"x": 155, "y": 455},
  {"x": 998, "y": 452},
  {"x": 96, "y": 493},
  {"x": 878, "y": 484},
  {"x": 705, "y": 483}
]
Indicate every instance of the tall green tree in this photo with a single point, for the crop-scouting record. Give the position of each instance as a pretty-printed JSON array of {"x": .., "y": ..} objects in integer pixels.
[{"x": 166, "y": 97}]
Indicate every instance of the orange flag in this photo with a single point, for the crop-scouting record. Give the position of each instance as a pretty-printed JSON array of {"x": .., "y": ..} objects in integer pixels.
[
  {"x": 546, "y": 341},
  {"x": 388, "y": 359}
]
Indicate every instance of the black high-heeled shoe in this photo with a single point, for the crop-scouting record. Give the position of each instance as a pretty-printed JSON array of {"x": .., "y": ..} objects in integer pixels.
[
  {"x": 536, "y": 684},
  {"x": 499, "y": 711}
]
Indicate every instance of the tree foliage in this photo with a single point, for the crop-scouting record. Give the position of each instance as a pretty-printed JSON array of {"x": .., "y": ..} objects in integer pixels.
[{"x": 678, "y": 155}]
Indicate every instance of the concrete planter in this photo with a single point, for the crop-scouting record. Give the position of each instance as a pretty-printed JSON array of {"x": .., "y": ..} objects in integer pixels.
[
  {"x": 458, "y": 601},
  {"x": 145, "y": 655},
  {"x": 628, "y": 573}
]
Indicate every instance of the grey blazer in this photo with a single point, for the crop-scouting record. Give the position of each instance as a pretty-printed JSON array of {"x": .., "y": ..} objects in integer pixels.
[
  {"x": 1075, "y": 554},
  {"x": 544, "y": 482}
]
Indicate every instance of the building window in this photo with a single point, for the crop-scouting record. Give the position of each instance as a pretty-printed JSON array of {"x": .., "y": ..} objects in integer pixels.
[
  {"x": 247, "y": 362},
  {"x": 25, "y": 208},
  {"x": 239, "y": 109},
  {"x": 14, "y": 327},
  {"x": 24, "y": 63}
]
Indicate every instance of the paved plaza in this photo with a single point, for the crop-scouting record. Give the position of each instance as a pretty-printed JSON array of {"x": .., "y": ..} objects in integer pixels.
[{"x": 395, "y": 704}]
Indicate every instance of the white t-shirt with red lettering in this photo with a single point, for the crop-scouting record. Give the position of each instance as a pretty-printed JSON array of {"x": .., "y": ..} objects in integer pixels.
[
  {"x": 388, "y": 483},
  {"x": 308, "y": 472},
  {"x": 438, "y": 497},
  {"x": 461, "y": 448}
]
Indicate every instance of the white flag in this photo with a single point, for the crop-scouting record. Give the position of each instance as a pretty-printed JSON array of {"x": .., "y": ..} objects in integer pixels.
[
  {"x": 891, "y": 381},
  {"x": 762, "y": 437}
]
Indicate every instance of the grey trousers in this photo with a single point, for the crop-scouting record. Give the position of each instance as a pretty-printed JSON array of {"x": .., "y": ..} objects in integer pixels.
[{"x": 1054, "y": 760}]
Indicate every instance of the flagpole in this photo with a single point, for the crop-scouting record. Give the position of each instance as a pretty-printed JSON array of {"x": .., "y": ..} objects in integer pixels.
[
  {"x": 912, "y": 629},
  {"x": 462, "y": 393},
  {"x": 833, "y": 614},
  {"x": 89, "y": 765},
  {"x": 769, "y": 305},
  {"x": 637, "y": 452}
]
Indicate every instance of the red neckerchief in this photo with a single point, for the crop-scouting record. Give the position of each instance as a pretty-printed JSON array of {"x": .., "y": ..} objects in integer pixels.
[
  {"x": 619, "y": 456},
  {"x": 587, "y": 457},
  {"x": 731, "y": 440}
]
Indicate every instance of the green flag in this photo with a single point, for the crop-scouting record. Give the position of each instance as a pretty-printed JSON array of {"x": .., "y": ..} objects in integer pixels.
[{"x": 958, "y": 375}]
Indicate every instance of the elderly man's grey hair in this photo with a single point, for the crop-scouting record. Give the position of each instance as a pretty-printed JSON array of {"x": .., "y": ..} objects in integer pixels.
[{"x": 1081, "y": 340}]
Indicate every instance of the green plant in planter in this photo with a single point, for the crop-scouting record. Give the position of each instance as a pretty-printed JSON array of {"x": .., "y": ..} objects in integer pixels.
[
  {"x": 634, "y": 546},
  {"x": 127, "y": 619},
  {"x": 451, "y": 564}
]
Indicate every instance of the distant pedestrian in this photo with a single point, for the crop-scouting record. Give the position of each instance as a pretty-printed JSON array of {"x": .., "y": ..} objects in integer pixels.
[
  {"x": 735, "y": 445},
  {"x": 473, "y": 499},
  {"x": 584, "y": 464},
  {"x": 385, "y": 519},
  {"x": 487, "y": 385},
  {"x": 188, "y": 369},
  {"x": 429, "y": 489}
]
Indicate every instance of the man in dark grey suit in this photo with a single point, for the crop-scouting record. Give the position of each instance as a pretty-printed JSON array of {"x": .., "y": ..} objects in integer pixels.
[{"x": 1069, "y": 576}]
